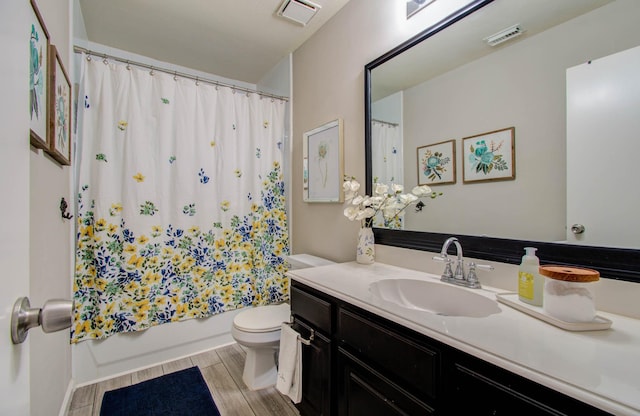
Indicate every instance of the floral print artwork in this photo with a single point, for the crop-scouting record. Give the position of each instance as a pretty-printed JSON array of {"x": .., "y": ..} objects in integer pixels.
[
  {"x": 484, "y": 159},
  {"x": 434, "y": 164},
  {"x": 160, "y": 242},
  {"x": 489, "y": 156},
  {"x": 36, "y": 73}
]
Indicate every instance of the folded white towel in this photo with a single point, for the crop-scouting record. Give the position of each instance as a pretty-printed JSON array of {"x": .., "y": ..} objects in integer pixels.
[{"x": 290, "y": 364}]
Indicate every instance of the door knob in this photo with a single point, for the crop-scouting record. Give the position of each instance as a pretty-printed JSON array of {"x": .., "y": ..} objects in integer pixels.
[
  {"x": 577, "y": 229},
  {"x": 54, "y": 315}
]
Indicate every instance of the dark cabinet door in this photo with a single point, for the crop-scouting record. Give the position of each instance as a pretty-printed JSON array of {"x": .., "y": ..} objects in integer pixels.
[
  {"x": 316, "y": 373},
  {"x": 363, "y": 391},
  {"x": 486, "y": 390}
]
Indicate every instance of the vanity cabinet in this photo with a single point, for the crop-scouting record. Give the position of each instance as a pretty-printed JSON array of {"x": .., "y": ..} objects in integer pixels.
[
  {"x": 313, "y": 314},
  {"x": 362, "y": 364}
]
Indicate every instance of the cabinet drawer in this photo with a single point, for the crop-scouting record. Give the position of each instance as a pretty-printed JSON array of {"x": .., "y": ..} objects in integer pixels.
[
  {"x": 414, "y": 366},
  {"x": 311, "y": 309}
]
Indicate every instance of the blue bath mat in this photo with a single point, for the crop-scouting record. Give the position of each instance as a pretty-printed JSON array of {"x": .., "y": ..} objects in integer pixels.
[{"x": 181, "y": 393}]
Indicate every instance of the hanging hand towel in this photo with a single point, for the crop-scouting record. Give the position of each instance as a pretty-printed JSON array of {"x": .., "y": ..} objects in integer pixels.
[{"x": 290, "y": 364}]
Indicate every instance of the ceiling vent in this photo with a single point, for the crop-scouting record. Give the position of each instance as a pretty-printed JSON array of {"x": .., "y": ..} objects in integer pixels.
[
  {"x": 299, "y": 11},
  {"x": 504, "y": 35}
]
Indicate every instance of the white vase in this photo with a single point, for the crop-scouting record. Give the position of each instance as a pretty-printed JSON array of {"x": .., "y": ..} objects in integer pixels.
[{"x": 366, "y": 253}]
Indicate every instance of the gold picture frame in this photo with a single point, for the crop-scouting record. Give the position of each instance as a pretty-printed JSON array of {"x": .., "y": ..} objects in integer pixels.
[
  {"x": 323, "y": 163},
  {"x": 489, "y": 156}
]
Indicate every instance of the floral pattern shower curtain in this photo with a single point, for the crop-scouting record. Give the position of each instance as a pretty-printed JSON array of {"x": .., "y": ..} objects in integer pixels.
[{"x": 181, "y": 205}]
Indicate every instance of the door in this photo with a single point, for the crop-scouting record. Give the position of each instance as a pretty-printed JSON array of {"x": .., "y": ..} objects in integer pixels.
[
  {"x": 603, "y": 142},
  {"x": 14, "y": 211}
]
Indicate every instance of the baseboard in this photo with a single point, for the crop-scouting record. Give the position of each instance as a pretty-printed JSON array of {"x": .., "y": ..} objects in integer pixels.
[{"x": 66, "y": 402}]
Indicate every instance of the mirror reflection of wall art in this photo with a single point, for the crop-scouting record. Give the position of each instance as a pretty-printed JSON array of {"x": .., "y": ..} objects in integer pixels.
[
  {"x": 489, "y": 156},
  {"x": 323, "y": 164},
  {"x": 60, "y": 110},
  {"x": 437, "y": 163},
  {"x": 414, "y": 6},
  {"x": 38, "y": 77}
]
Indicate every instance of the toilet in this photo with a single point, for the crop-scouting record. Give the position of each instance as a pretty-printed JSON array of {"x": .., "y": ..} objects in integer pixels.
[{"x": 258, "y": 330}]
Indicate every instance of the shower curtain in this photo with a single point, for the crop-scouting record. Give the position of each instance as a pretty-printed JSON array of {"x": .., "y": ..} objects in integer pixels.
[
  {"x": 387, "y": 153},
  {"x": 181, "y": 205},
  {"x": 387, "y": 163}
]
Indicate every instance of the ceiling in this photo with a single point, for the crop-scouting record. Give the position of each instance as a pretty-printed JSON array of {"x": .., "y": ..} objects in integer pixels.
[{"x": 237, "y": 39}]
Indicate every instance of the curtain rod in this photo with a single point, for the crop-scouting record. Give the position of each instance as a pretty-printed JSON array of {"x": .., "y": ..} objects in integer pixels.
[
  {"x": 104, "y": 56},
  {"x": 385, "y": 122}
]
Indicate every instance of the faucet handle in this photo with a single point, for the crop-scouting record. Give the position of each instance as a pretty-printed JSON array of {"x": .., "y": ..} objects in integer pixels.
[
  {"x": 442, "y": 258},
  {"x": 472, "y": 278},
  {"x": 448, "y": 273}
]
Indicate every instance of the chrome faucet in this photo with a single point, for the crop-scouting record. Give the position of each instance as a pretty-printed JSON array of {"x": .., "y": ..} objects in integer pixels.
[{"x": 458, "y": 277}]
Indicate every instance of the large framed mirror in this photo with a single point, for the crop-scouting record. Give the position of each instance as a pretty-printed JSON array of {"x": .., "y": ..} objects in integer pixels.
[{"x": 448, "y": 83}]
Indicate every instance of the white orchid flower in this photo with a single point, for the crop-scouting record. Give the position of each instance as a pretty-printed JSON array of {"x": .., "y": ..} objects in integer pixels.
[
  {"x": 397, "y": 188},
  {"x": 376, "y": 201},
  {"x": 422, "y": 190},
  {"x": 406, "y": 199},
  {"x": 351, "y": 212},
  {"x": 358, "y": 200},
  {"x": 381, "y": 189},
  {"x": 365, "y": 213},
  {"x": 350, "y": 186}
]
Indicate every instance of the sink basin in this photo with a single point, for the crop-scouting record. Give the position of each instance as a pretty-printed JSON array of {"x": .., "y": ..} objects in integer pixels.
[{"x": 437, "y": 298}]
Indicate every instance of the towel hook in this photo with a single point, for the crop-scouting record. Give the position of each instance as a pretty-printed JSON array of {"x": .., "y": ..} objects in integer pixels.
[{"x": 63, "y": 209}]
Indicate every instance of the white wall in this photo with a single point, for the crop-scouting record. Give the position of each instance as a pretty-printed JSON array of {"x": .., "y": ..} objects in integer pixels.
[
  {"x": 50, "y": 243},
  {"x": 328, "y": 83}
]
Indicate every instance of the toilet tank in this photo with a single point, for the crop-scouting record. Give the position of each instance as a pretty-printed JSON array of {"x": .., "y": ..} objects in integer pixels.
[{"x": 303, "y": 261}]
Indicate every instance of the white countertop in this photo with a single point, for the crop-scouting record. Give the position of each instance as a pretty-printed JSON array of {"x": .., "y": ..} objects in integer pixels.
[{"x": 601, "y": 368}]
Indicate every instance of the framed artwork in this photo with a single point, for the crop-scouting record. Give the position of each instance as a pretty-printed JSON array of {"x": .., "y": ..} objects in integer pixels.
[
  {"x": 323, "y": 163},
  {"x": 437, "y": 163},
  {"x": 38, "y": 78},
  {"x": 489, "y": 156},
  {"x": 60, "y": 110}
]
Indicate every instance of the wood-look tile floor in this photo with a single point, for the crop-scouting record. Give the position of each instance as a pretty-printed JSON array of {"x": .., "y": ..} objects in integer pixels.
[{"x": 221, "y": 369}]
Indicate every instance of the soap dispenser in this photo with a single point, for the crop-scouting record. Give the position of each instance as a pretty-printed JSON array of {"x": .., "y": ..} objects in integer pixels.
[{"x": 530, "y": 282}]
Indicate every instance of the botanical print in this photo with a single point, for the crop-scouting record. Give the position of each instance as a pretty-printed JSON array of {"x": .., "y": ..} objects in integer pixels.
[
  {"x": 323, "y": 160},
  {"x": 489, "y": 156},
  {"x": 323, "y": 165},
  {"x": 483, "y": 159},
  {"x": 38, "y": 77},
  {"x": 436, "y": 163},
  {"x": 62, "y": 118}
]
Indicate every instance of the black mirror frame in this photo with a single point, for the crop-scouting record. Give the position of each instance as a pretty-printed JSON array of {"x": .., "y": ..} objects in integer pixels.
[{"x": 613, "y": 263}]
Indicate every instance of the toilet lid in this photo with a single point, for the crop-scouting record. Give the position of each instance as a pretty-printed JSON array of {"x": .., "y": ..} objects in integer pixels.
[{"x": 262, "y": 318}]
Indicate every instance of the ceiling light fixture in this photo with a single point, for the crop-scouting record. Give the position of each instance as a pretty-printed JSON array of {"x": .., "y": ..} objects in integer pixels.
[
  {"x": 504, "y": 35},
  {"x": 299, "y": 11}
]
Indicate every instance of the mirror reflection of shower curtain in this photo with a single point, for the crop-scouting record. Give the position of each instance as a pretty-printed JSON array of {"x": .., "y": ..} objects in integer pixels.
[{"x": 387, "y": 153}]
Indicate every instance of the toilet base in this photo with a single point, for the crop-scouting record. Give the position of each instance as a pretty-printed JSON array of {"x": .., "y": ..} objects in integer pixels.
[{"x": 260, "y": 371}]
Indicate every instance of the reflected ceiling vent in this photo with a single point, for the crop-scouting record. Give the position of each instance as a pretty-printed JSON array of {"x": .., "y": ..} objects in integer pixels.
[
  {"x": 299, "y": 11},
  {"x": 504, "y": 35}
]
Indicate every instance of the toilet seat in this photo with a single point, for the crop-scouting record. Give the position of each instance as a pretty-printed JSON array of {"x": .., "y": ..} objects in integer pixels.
[{"x": 262, "y": 318}]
